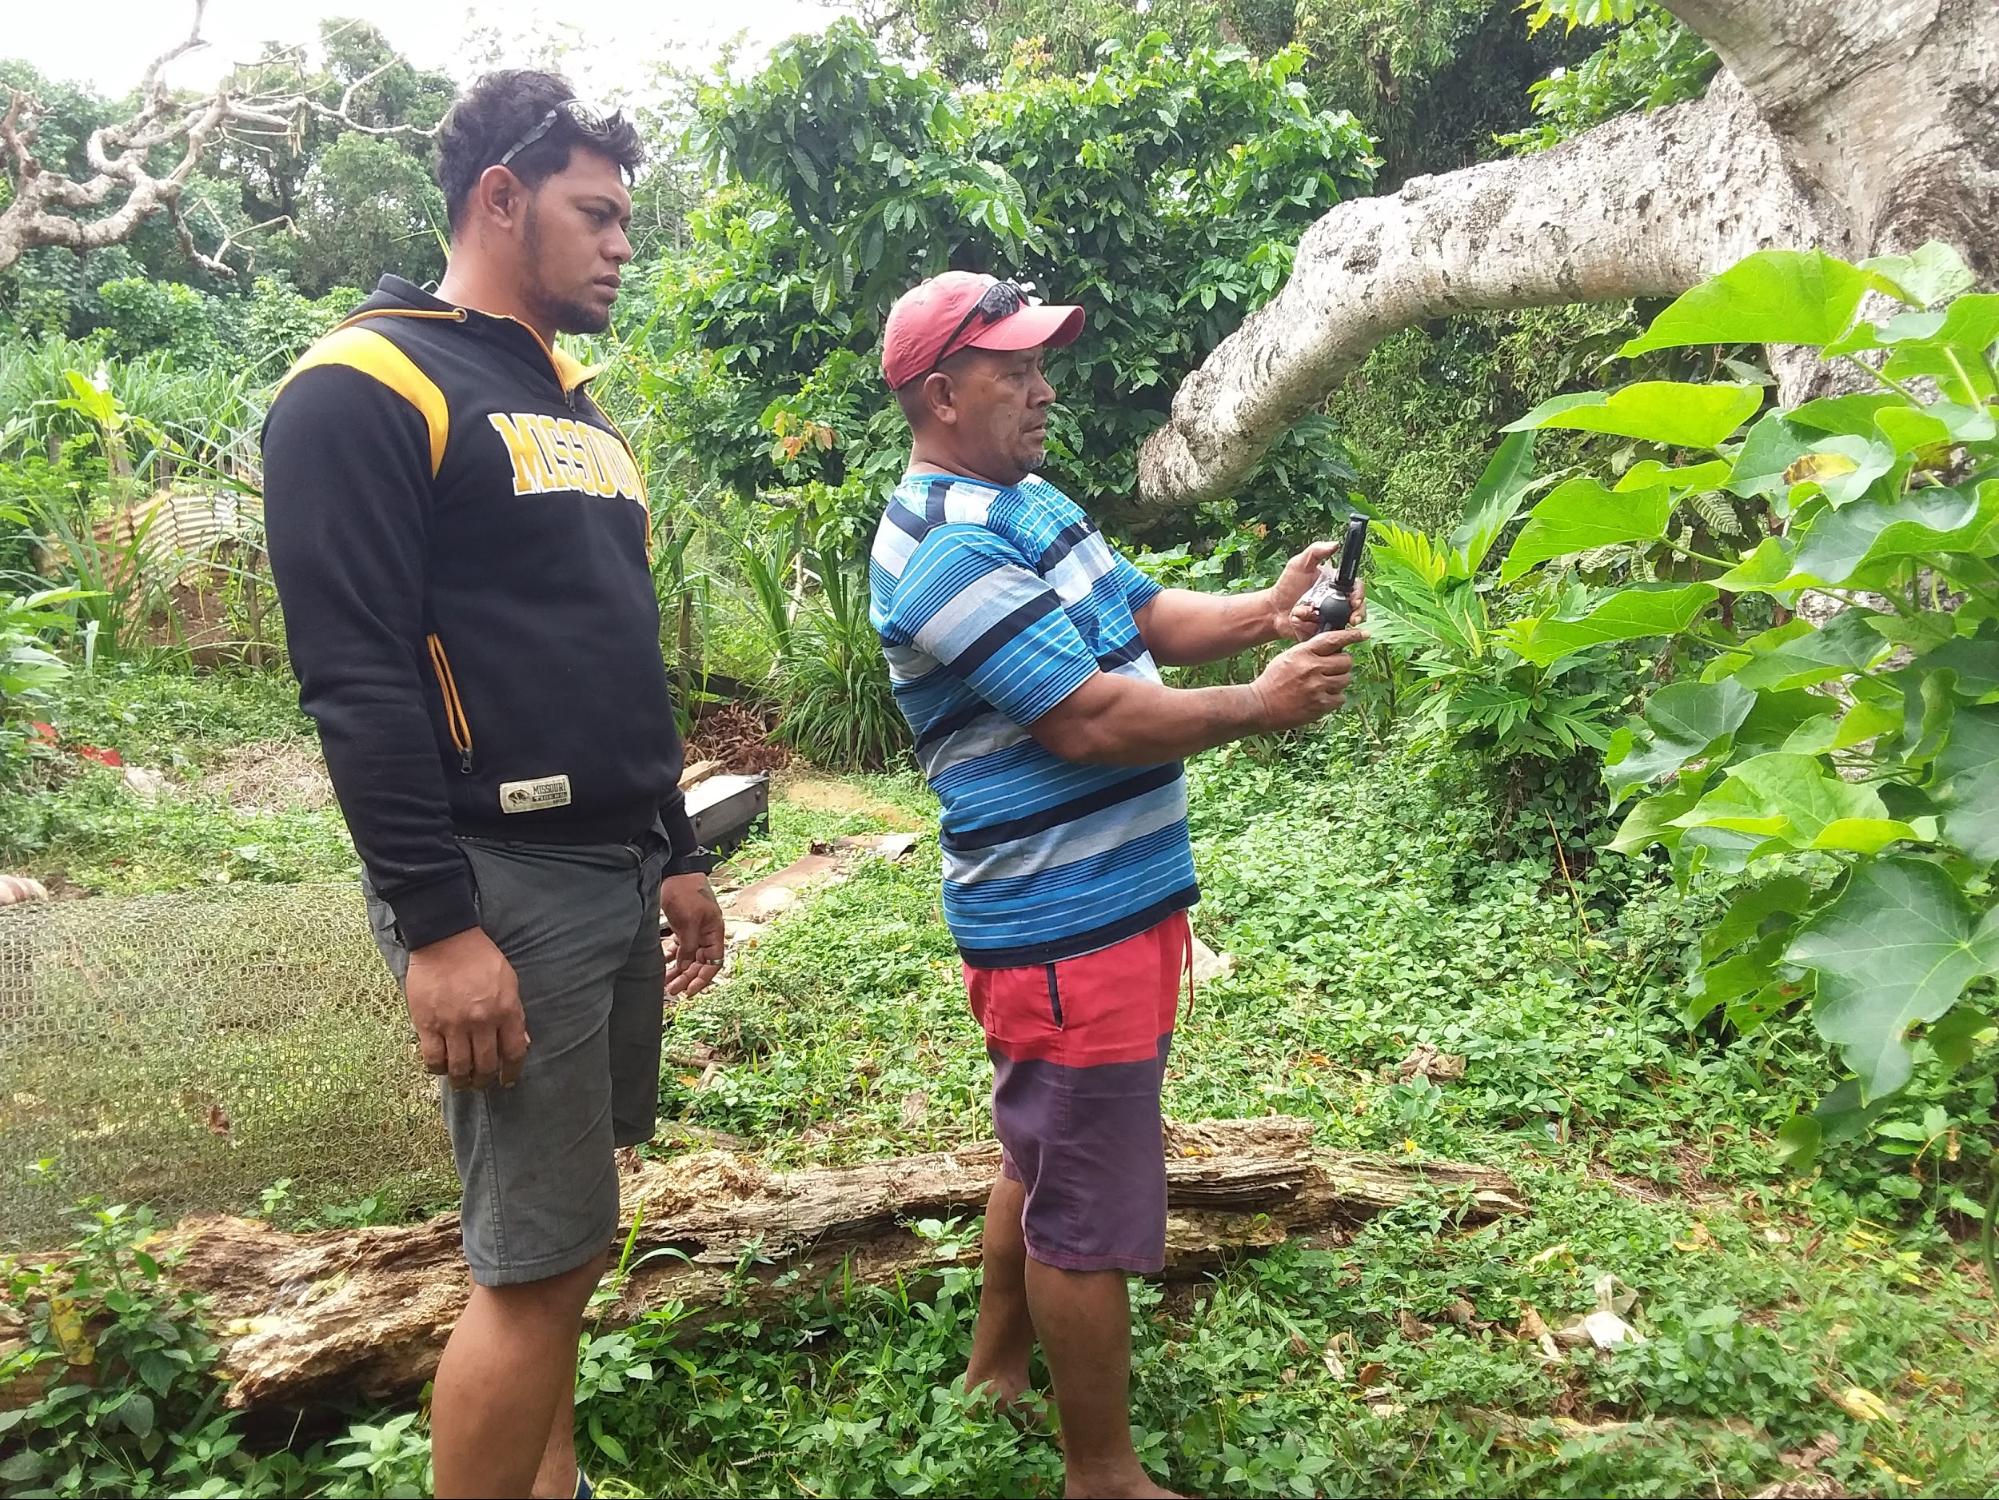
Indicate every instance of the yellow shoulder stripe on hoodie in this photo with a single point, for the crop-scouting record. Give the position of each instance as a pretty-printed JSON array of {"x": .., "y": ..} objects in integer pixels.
[{"x": 367, "y": 351}]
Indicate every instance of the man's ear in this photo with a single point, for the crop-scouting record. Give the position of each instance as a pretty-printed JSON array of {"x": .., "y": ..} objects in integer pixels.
[
  {"x": 940, "y": 399},
  {"x": 499, "y": 197}
]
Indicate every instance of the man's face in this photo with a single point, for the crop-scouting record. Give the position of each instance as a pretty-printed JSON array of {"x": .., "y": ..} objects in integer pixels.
[
  {"x": 1002, "y": 400},
  {"x": 574, "y": 243}
]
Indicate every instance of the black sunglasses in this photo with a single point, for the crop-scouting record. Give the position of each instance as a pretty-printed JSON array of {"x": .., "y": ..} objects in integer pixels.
[
  {"x": 593, "y": 123},
  {"x": 1001, "y": 300}
]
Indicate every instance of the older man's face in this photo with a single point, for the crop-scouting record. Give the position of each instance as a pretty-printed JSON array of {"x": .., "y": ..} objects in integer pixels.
[{"x": 1002, "y": 402}]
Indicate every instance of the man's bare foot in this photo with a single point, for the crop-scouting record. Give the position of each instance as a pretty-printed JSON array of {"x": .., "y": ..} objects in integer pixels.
[
  {"x": 1009, "y": 1393},
  {"x": 1128, "y": 1484}
]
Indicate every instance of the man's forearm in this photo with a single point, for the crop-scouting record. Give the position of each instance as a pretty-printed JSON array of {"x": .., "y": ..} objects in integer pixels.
[
  {"x": 1183, "y": 628},
  {"x": 1123, "y": 721}
]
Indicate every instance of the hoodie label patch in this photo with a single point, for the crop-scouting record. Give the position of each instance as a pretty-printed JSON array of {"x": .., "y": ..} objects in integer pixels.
[{"x": 534, "y": 796}]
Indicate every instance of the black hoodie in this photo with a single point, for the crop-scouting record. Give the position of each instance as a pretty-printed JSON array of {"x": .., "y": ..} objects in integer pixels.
[{"x": 459, "y": 538}]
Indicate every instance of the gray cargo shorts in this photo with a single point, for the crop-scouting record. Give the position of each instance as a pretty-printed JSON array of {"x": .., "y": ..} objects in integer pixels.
[{"x": 580, "y": 925}]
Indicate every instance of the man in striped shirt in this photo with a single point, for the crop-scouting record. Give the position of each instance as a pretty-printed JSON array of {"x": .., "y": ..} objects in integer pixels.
[{"x": 1024, "y": 652}]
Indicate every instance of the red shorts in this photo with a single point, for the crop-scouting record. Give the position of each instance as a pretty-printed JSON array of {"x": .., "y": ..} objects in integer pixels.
[{"x": 1079, "y": 1054}]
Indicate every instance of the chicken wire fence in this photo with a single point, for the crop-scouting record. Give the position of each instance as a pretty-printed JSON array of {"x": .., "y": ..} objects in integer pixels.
[{"x": 188, "y": 1051}]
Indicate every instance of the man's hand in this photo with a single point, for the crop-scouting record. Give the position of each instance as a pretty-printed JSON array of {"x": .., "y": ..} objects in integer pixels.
[
  {"x": 1299, "y": 575},
  {"x": 465, "y": 1002},
  {"x": 695, "y": 956},
  {"x": 1308, "y": 681},
  {"x": 1303, "y": 623}
]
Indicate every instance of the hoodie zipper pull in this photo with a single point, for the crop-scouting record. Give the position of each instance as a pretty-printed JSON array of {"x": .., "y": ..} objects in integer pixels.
[{"x": 465, "y": 762}]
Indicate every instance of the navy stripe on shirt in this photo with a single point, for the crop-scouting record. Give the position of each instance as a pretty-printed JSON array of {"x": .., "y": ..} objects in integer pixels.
[{"x": 994, "y": 604}]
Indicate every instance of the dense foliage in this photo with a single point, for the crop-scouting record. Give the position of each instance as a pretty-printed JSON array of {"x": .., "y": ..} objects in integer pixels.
[
  {"x": 1752, "y": 651},
  {"x": 1773, "y": 1309},
  {"x": 1831, "y": 733},
  {"x": 1162, "y": 191}
]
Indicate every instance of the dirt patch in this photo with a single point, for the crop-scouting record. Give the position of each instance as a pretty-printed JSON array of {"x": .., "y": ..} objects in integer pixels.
[
  {"x": 738, "y": 736},
  {"x": 823, "y": 794},
  {"x": 272, "y": 776}
]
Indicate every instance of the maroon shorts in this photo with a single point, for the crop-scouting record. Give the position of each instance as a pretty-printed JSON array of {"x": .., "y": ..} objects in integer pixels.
[{"x": 1079, "y": 1054}]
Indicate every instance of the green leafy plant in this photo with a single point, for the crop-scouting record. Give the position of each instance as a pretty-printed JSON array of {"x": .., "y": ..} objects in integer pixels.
[
  {"x": 1163, "y": 190},
  {"x": 1443, "y": 622},
  {"x": 122, "y": 1365},
  {"x": 837, "y": 708},
  {"x": 28, "y": 668},
  {"x": 1651, "y": 59},
  {"x": 1842, "y": 760}
]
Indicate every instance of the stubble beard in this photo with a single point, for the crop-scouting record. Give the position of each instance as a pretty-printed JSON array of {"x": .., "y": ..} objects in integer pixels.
[{"x": 563, "y": 314}]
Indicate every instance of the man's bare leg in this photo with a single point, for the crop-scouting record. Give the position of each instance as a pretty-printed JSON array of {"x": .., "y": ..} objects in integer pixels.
[
  {"x": 557, "y": 1477},
  {"x": 509, "y": 1368},
  {"x": 1003, "y": 1337},
  {"x": 1084, "y": 1320}
]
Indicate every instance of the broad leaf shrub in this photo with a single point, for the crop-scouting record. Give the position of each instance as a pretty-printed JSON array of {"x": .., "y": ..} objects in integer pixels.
[
  {"x": 1824, "y": 729},
  {"x": 1443, "y": 629},
  {"x": 115, "y": 1389},
  {"x": 1162, "y": 190}
]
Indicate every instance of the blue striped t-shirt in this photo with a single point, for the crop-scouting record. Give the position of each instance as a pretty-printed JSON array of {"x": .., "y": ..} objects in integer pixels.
[{"x": 993, "y": 605}]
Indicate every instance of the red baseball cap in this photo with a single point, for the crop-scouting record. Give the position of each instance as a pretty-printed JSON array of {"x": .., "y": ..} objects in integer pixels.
[{"x": 934, "y": 320}]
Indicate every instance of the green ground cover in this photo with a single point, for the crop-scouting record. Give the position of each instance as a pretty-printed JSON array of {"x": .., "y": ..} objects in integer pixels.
[{"x": 1373, "y": 902}]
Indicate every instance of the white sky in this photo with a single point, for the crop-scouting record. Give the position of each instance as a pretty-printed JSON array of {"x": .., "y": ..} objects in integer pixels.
[{"x": 607, "y": 48}]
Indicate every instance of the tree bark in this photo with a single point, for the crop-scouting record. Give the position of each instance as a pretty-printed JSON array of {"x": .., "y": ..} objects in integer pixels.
[
  {"x": 49, "y": 208},
  {"x": 1890, "y": 109},
  {"x": 1856, "y": 128},
  {"x": 366, "y": 1312}
]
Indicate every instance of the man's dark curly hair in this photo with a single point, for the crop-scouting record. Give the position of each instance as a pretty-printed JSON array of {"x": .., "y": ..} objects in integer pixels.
[{"x": 495, "y": 112}]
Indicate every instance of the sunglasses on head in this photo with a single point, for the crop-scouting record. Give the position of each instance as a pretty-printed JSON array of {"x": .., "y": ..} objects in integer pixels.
[
  {"x": 1001, "y": 300},
  {"x": 592, "y": 123}
]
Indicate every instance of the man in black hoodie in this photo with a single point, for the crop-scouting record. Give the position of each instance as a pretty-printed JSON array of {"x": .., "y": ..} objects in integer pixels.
[{"x": 459, "y": 537}]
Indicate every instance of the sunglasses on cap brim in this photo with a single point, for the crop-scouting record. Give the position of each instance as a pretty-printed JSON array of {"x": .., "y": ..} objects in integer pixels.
[{"x": 1000, "y": 300}]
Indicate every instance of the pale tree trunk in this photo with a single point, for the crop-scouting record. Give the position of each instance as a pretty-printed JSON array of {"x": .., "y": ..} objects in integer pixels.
[{"x": 1856, "y": 128}]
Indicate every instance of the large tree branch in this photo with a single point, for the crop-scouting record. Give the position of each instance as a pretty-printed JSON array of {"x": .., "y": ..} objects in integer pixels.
[
  {"x": 1642, "y": 206},
  {"x": 1890, "y": 108},
  {"x": 49, "y": 208}
]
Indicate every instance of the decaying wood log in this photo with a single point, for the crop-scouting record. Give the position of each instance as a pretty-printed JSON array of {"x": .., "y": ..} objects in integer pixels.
[{"x": 366, "y": 1311}]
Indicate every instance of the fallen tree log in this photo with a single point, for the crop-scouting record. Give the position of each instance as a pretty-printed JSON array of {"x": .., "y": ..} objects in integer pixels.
[{"x": 302, "y": 1316}]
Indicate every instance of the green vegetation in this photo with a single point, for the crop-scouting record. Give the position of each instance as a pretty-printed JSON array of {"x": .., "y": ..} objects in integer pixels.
[
  {"x": 1663, "y": 811},
  {"x": 1396, "y": 902}
]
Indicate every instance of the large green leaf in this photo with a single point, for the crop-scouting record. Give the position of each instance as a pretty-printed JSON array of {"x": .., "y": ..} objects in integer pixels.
[
  {"x": 1683, "y": 720},
  {"x": 1767, "y": 453},
  {"x": 1726, "y": 982},
  {"x": 1966, "y": 785},
  {"x": 1932, "y": 273},
  {"x": 1778, "y": 717},
  {"x": 1773, "y": 297},
  {"x": 1968, "y": 326},
  {"x": 1852, "y": 414},
  {"x": 1973, "y": 659},
  {"x": 1762, "y": 570},
  {"x": 1897, "y": 947},
  {"x": 1495, "y": 499},
  {"x": 1628, "y": 615},
  {"x": 1841, "y": 542},
  {"x": 1791, "y": 802},
  {"x": 1788, "y": 896},
  {"x": 1845, "y": 645},
  {"x": 1681, "y": 480},
  {"x": 1842, "y": 465},
  {"x": 1581, "y": 514},
  {"x": 1681, "y": 414},
  {"x": 1652, "y": 820}
]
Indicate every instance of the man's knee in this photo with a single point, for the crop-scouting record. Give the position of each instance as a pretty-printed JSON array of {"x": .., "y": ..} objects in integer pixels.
[{"x": 561, "y": 1297}]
